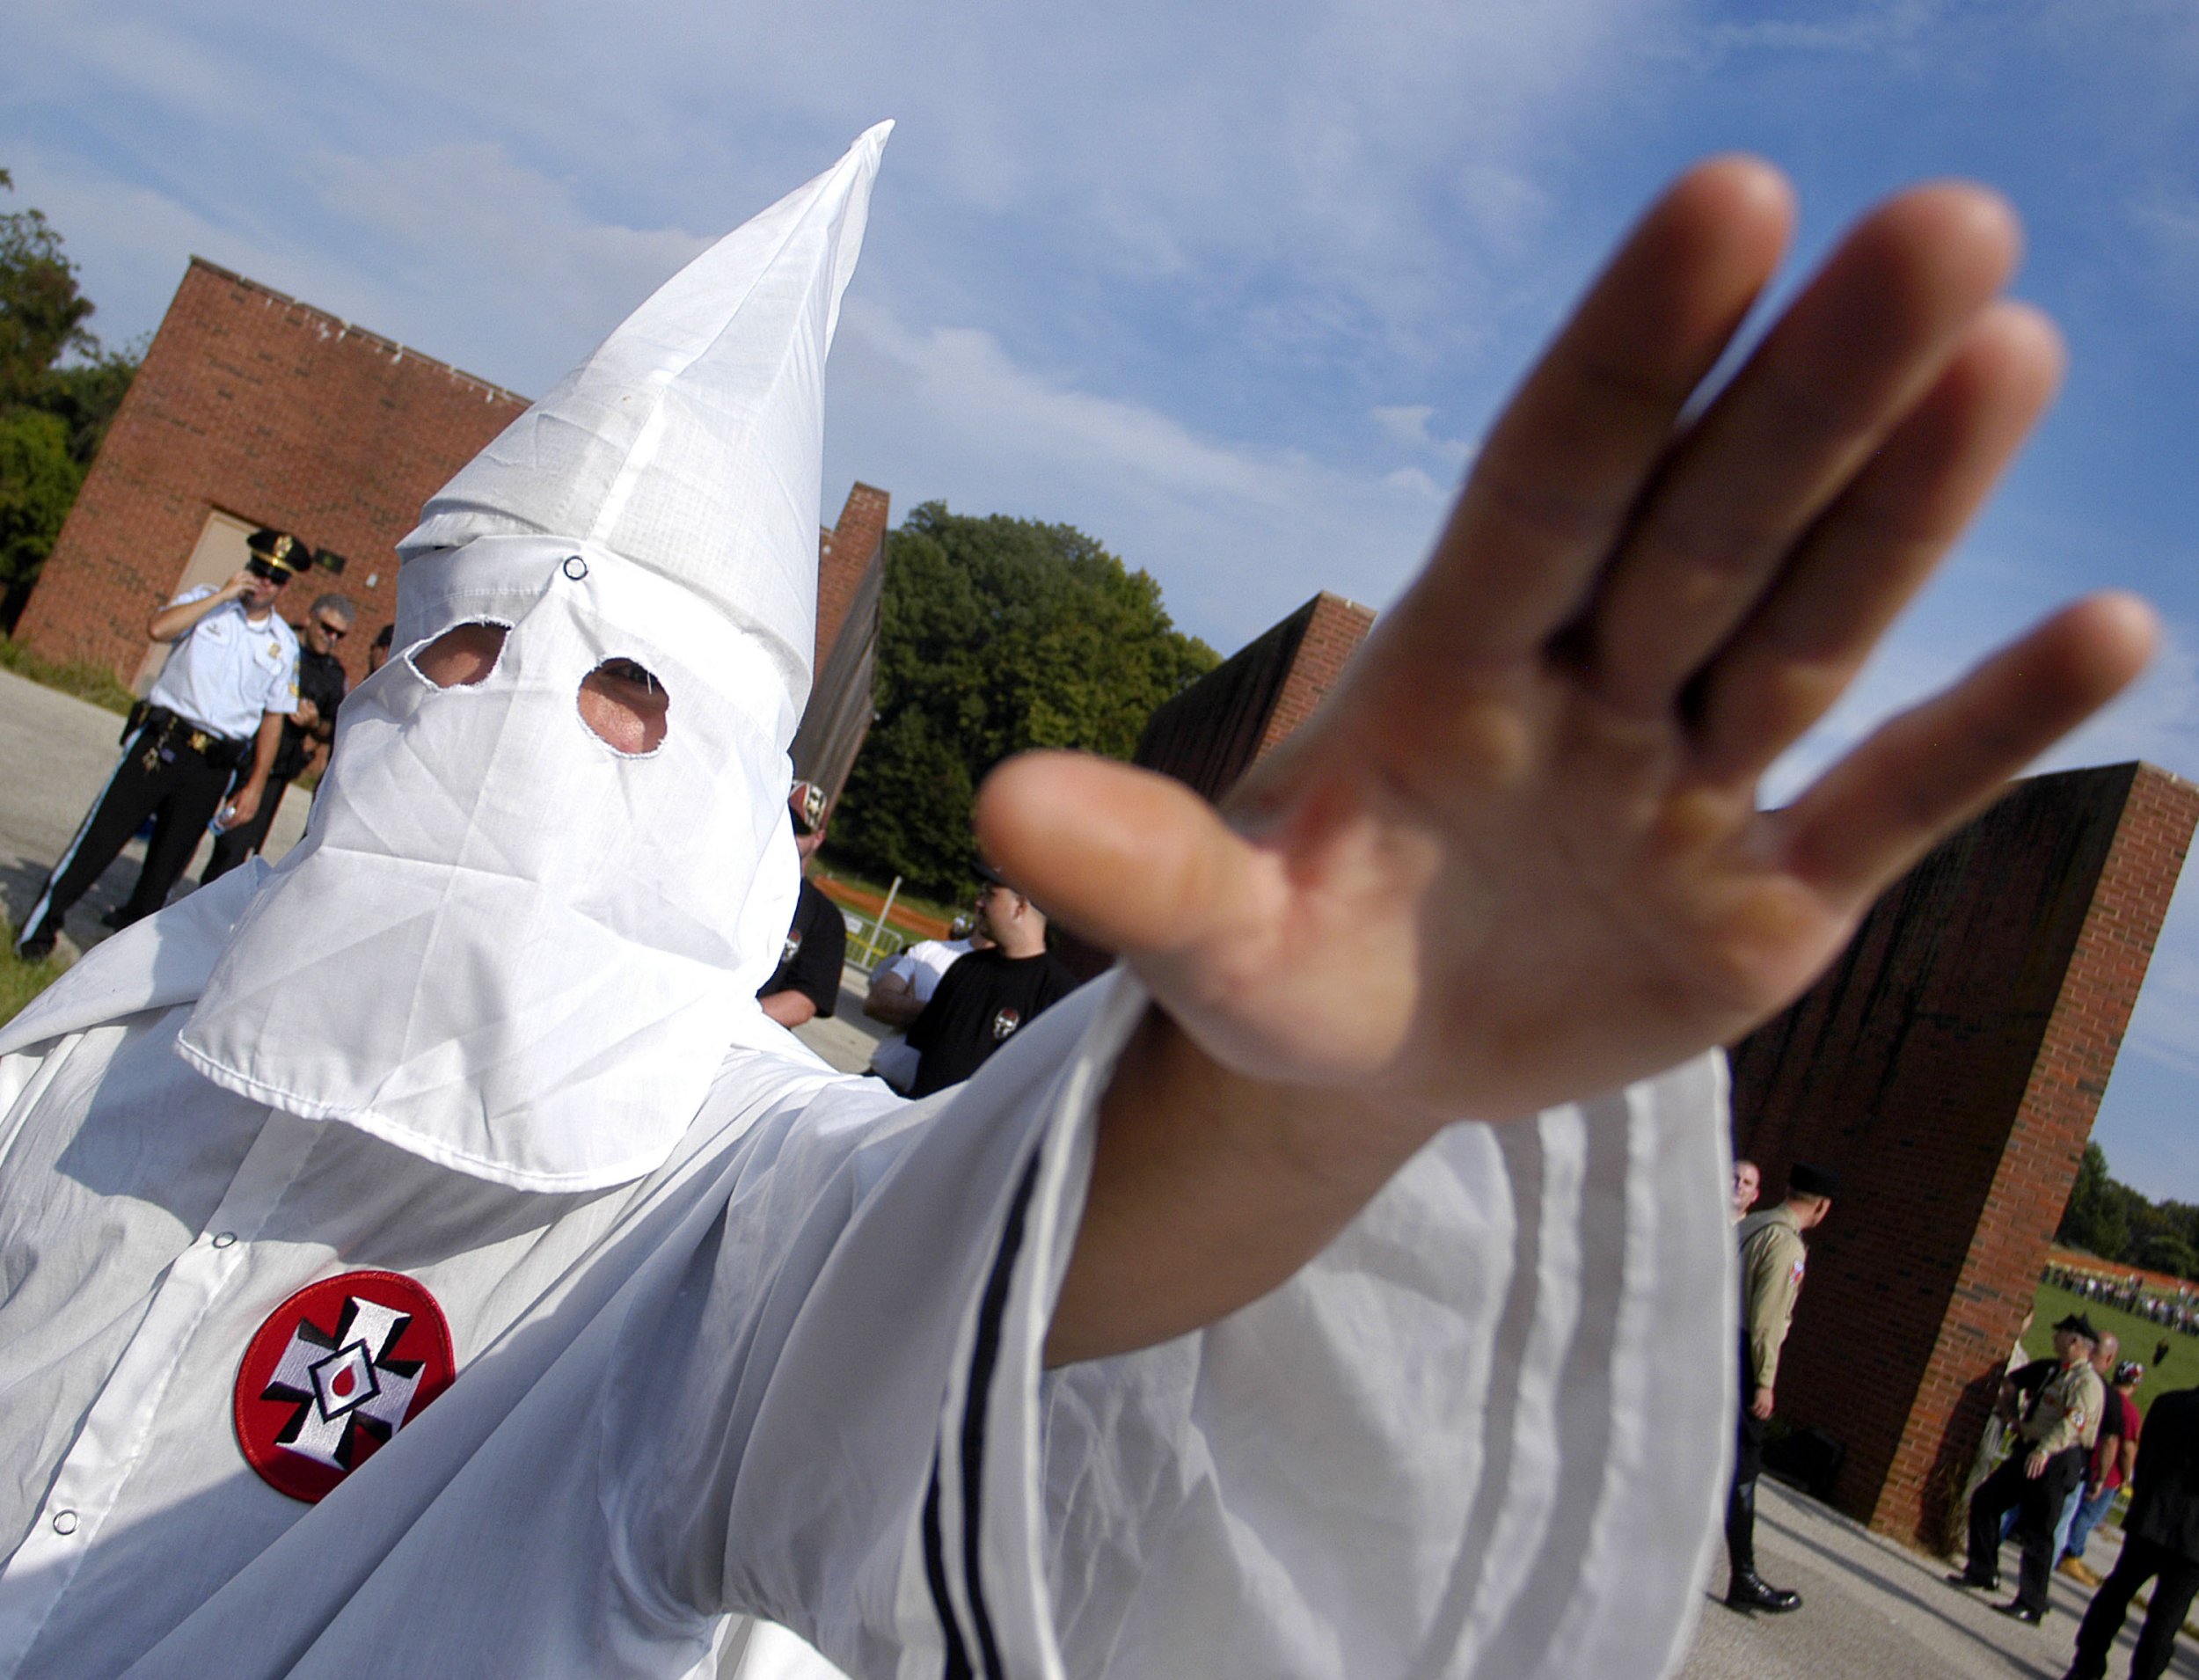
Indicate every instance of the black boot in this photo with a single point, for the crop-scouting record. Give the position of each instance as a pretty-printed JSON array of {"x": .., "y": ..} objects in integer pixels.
[{"x": 1748, "y": 1590}]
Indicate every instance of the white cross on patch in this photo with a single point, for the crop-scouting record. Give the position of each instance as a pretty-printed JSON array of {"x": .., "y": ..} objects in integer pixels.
[{"x": 342, "y": 1380}]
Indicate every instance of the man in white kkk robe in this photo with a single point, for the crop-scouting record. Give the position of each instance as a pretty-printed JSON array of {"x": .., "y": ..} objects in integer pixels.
[{"x": 424, "y": 1256}]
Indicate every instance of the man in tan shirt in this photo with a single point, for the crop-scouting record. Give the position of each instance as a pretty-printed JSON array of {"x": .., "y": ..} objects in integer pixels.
[
  {"x": 2057, "y": 1432},
  {"x": 1772, "y": 1261}
]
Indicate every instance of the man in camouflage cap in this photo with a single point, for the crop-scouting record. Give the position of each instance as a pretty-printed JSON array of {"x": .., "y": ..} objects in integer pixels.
[
  {"x": 2056, "y": 1431},
  {"x": 1772, "y": 1261}
]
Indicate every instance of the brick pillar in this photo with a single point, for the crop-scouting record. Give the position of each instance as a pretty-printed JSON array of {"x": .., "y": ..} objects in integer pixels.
[
  {"x": 1240, "y": 711},
  {"x": 1949, "y": 1067},
  {"x": 848, "y": 551},
  {"x": 1236, "y": 714}
]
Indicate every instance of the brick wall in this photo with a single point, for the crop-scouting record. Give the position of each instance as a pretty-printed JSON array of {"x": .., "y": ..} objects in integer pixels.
[
  {"x": 280, "y": 413},
  {"x": 1217, "y": 728},
  {"x": 845, "y": 553},
  {"x": 1949, "y": 1067},
  {"x": 274, "y": 412},
  {"x": 851, "y": 586},
  {"x": 1331, "y": 636}
]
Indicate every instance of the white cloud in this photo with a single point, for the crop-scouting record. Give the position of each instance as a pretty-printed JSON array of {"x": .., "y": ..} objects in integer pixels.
[
  {"x": 2166, "y": 217},
  {"x": 1239, "y": 536},
  {"x": 1406, "y": 423},
  {"x": 1865, "y": 29}
]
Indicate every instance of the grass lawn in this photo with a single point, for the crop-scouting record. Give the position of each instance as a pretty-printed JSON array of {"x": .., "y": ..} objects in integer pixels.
[
  {"x": 2140, "y": 1336},
  {"x": 21, "y": 980},
  {"x": 92, "y": 683}
]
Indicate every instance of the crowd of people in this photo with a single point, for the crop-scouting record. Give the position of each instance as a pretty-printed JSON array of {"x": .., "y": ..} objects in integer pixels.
[
  {"x": 2174, "y": 1308},
  {"x": 2064, "y": 1440},
  {"x": 949, "y": 1004}
]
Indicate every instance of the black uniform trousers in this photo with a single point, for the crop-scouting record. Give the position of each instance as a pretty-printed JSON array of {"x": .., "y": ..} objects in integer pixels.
[
  {"x": 232, "y": 846},
  {"x": 1748, "y": 1464},
  {"x": 162, "y": 776},
  {"x": 2037, "y": 1503},
  {"x": 2141, "y": 1561}
]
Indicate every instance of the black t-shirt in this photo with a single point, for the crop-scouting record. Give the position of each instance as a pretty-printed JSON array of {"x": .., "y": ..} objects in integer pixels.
[
  {"x": 981, "y": 1002},
  {"x": 320, "y": 680},
  {"x": 815, "y": 946}
]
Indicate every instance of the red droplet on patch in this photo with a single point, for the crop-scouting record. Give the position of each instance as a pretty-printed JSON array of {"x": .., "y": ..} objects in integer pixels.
[{"x": 266, "y": 1411}]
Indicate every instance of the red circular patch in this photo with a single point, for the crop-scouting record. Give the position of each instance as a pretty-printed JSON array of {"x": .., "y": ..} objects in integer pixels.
[{"x": 335, "y": 1371}]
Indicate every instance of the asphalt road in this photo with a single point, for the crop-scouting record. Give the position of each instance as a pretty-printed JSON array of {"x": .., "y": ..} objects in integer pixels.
[
  {"x": 55, "y": 755},
  {"x": 1876, "y": 1610}
]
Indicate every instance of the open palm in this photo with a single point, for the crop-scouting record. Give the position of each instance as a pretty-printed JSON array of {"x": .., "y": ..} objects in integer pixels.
[{"x": 1518, "y": 857}]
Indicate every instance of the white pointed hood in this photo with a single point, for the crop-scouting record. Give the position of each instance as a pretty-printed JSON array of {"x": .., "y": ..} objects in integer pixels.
[
  {"x": 691, "y": 441},
  {"x": 505, "y": 943}
]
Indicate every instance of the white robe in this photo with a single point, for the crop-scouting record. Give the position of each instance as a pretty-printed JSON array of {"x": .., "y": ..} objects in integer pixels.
[{"x": 796, "y": 1374}]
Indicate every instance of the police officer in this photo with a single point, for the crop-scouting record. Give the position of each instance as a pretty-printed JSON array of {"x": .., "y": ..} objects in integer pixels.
[
  {"x": 306, "y": 734},
  {"x": 216, "y": 709},
  {"x": 2055, "y": 1433},
  {"x": 1772, "y": 1261}
]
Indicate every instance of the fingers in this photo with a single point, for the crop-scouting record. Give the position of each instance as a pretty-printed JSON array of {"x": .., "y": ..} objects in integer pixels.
[
  {"x": 1133, "y": 860},
  {"x": 1887, "y": 802},
  {"x": 1838, "y": 373},
  {"x": 1552, "y": 488},
  {"x": 1876, "y": 546}
]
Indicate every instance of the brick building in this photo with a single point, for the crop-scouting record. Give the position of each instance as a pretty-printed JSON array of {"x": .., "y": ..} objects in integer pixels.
[
  {"x": 254, "y": 409},
  {"x": 1236, "y": 714},
  {"x": 1949, "y": 1066},
  {"x": 1232, "y": 718}
]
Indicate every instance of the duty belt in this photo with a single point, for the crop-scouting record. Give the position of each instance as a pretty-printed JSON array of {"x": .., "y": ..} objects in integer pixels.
[{"x": 167, "y": 734}]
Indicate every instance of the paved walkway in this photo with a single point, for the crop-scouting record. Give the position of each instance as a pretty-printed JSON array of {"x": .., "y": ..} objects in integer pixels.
[
  {"x": 1873, "y": 1609},
  {"x": 55, "y": 755}
]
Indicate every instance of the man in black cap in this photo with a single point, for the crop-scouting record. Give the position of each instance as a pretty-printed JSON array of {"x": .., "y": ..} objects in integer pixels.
[
  {"x": 1772, "y": 1261},
  {"x": 2056, "y": 1431},
  {"x": 216, "y": 710},
  {"x": 805, "y": 985},
  {"x": 988, "y": 995},
  {"x": 2160, "y": 1537}
]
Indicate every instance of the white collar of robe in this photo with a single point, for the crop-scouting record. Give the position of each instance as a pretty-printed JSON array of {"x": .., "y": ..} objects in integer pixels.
[{"x": 503, "y": 945}]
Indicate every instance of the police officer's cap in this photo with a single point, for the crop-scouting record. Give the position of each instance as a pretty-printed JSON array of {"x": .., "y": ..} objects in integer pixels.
[
  {"x": 1803, "y": 1179},
  {"x": 2078, "y": 1324},
  {"x": 281, "y": 555}
]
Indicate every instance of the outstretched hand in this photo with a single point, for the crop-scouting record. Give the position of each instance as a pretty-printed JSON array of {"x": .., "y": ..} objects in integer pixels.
[{"x": 1516, "y": 858}]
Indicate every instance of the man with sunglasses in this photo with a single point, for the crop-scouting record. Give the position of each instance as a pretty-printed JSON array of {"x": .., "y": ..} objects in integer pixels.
[
  {"x": 307, "y": 733},
  {"x": 216, "y": 710}
]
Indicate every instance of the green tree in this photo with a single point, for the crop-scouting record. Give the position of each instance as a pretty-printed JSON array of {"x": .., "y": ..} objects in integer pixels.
[
  {"x": 42, "y": 313},
  {"x": 58, "y": 392},
  {"x": 38, "y": 479},
  {"x": 997, "y": 634},
  {"x": 2097, "y": 1219},
  {"x": 2168, "y": 1253}
]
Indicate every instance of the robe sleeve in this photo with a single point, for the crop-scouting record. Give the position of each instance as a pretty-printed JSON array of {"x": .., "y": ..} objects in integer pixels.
[{"x": 1485, "y": 1433}]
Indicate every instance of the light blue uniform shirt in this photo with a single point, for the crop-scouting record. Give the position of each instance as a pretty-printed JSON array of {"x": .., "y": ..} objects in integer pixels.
[{"x": 228, "y": 671}]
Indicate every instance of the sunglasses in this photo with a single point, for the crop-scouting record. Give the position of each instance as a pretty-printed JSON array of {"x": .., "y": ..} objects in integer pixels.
[{"x": 334, "y": 633}]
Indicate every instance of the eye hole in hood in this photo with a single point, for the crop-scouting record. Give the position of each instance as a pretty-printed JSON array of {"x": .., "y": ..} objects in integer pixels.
[
  {"x": 462, "y": 656},
  {"x": 626, "y": 706}
]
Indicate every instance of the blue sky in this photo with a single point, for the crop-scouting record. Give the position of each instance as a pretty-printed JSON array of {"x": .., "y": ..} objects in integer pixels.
[{"x": 1233, "y": 287}]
